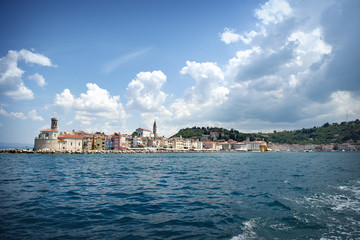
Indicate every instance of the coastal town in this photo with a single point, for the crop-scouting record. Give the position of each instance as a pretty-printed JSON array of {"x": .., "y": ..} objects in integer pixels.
[{"x": 144, "y": 140}]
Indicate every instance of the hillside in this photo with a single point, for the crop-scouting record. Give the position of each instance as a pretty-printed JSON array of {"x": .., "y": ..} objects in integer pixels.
[{"x": 327, "y": 133}]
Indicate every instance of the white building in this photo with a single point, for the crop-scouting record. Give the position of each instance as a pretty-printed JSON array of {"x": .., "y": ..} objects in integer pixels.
[
  {"x": 252, "y": 146},
  {"x": 240, "y": 146},
  {"x": 70, "y": 142},
  {"x": 137, "y": 142},
  {"x": 142, "y": 132},
  {"x": 197, "y": 145}
]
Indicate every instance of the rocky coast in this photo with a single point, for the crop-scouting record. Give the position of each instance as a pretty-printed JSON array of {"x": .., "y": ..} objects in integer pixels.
[{"x": 129, "y": 151}]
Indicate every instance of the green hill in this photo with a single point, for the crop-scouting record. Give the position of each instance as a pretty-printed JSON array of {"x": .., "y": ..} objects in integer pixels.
[{"x": 328, "y": 133}]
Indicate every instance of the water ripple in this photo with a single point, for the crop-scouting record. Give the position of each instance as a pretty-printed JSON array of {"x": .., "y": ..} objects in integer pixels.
[{"x": 180, "y": 196}]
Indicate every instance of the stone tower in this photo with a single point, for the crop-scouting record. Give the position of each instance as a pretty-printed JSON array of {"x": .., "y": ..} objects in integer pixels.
[
  {"x": 54, "y": 122},
  {"x": 155, "y": 129}
]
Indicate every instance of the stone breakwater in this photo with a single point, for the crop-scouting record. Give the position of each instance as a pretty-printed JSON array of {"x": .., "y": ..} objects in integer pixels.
[{"x": 129, "y": 151}]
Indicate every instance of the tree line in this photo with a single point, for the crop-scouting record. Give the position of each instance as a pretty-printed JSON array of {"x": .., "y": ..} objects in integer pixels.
[{"x": 325, "y": 134}]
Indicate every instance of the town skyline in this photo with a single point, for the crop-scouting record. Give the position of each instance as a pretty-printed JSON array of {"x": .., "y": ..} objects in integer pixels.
[{"x": 255, "y": 66}]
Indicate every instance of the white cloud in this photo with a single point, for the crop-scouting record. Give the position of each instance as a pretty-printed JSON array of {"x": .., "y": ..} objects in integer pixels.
[
  {"x": 209, "y": 80},
  {"x": 21, "y": 92},
  {"x": 85, "y": 120},
  {"x": 311, "y": 47},
  {"x": 64, "y": 99},
  {"x": 11, "y": 82},
  {"x": 228, "y": 36},
  {"x": 32, "y": 115},
  {"x": 248, "y": 37},
  {"x": 273, "y": 11},
  {"x": 144, "y": 92},
  {"x": 31, "y": 57},
  {"x": 39, "y": 79},
  {"x": 95, "y": 103},
  {"x": 201, "y": 100},
  {"x": 13, "y": 115}
]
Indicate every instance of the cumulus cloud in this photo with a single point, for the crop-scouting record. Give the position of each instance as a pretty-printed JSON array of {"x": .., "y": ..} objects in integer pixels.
[
  {"x": 209, "y": 87},
  {"x": 95, "y": 103},
  {"x": 228, "y": 36},
  {"x": 39, "y": 79},
  {"x": 64, "y": 99},
  {"x": 201, "y": 100},
  {"x": 273, "y": 11},
  {"x": 13, "y": 115},
  {"x": 144, "y": 92},
  {"x": 11, "y": 82},
  {"x": 32, "y": 115}
]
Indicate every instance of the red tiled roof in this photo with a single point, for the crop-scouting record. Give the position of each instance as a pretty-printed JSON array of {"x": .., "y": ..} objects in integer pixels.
[
  {"x": 145, "y": 129},
  {"x": 49, "y": 130},
  {"x": 69, "y": 136}
]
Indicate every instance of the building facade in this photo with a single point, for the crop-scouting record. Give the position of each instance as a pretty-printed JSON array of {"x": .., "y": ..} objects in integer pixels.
[
  {"x": 69, "y": 142},
  {"x": 142, "y": 132},
  {"x": 48, "y": 138}
]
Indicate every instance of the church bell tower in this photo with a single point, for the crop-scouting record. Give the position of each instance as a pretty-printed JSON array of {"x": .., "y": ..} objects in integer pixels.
[
  {"x": 54, "y": 122},
  {"x": 155, "y": 129}
]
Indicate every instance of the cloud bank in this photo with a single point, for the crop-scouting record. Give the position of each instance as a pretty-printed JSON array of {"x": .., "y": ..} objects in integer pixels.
[
  {"x": 297, "y": 66},
  {"x": 289, "y": 72}
]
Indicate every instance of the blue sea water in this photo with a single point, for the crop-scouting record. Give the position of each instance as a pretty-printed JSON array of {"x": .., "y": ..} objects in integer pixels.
[{"x": 180, "y": 196}]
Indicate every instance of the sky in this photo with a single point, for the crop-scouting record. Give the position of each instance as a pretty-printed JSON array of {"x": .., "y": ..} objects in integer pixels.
[{"x": 114, "y": 66}]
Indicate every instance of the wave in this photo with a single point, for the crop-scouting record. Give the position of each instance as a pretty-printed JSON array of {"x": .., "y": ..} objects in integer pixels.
[{"x": 248, "y": 229}]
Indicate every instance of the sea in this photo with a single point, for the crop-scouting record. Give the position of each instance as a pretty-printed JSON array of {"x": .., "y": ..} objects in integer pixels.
[{"x": 229, "y": 196}]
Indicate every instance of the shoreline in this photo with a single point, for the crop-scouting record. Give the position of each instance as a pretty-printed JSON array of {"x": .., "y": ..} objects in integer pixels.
[{"x": 137, "y": 151}]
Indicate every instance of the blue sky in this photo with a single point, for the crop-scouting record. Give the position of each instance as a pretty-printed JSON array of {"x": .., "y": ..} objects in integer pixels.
[{"x": 115, "y": 65}]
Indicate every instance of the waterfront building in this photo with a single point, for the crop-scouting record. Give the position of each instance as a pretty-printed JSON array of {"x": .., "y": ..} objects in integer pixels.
[
  {"x": 225, "y": 146},
  {"x": 209, "y": 144},
  {"x": 128, "y": 141},
  {"x": 109, "y": 143},
  {"x": 218, "y": 146},
  {"x": 252, "y": 146},
  {"x": 100, "y": 142},
  {"x": 176, "y": 143},
  {"x": 87, "y": 141},
  {"x": 309, "y": 147},
  {"x": 327, "y": 147},
  {"x": 240, "y": 146},
  {"x": 137, "y": 142},
  {"x": 70, "y": 142},
  {"x": 187, "y": 143},
  {"x": 115, "y": 141},
  {"x": 48, "y": 138},
  {"x": 164, "y": 142},
  {"x": 197, "y": 145}
]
